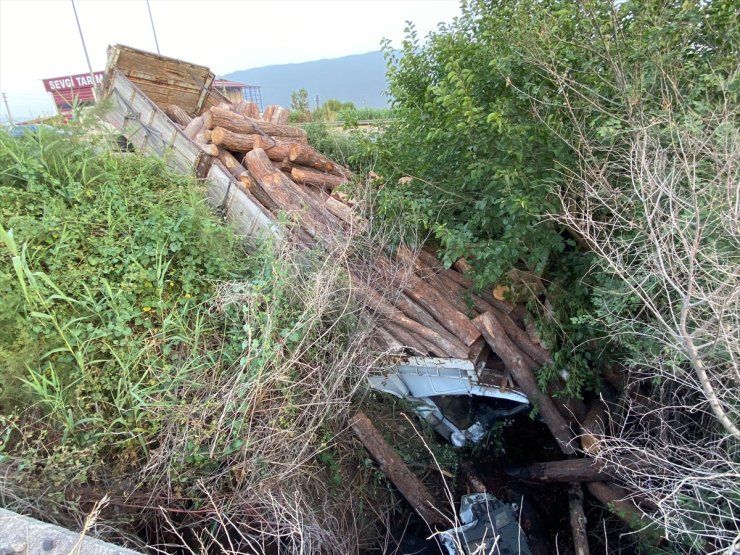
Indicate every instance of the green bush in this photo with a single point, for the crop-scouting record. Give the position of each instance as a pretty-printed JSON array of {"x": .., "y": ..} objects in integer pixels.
[
  {"x": 587, "y": 142},
  {"x": 145, "y": 355}
]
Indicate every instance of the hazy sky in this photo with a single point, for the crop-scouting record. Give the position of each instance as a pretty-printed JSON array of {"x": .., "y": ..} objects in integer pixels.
[{"x": 39, "y": 38}]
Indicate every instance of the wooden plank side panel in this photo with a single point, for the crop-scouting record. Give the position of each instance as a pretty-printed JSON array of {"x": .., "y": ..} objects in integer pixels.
[
  {"x": 153, "y": 133},
  {"x": 164, "y": 80},
  {"x": 163, "y": 95},
  {"x": 214, "y": 98},
  {"x": 164, "y": 138},
  {"x": 224, "y": 193},
  {"x": 163, "y": 69}
]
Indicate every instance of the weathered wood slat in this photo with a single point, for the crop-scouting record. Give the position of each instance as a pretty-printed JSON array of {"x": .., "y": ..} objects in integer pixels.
[{"x": 151, "y": 132}]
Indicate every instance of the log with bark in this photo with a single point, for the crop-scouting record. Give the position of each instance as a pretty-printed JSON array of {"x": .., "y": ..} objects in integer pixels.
[
  {"x": 413, "y": 490},
  {"x": 289, "y": 197},
  {"x": 233, "y": 165},
  {"x": 344, "y": 213},
  {"x": 577, "y": 519},
  {"x": 322, "y": 180},
  {"x": 615, "y": 500},
  {"x": 267, "y": 114},
  {"x": 192, "y": 128},
  {"x": 237, "y": 142},
  {"x": 203, "y": 136},
  {"x": 276, "y": 149},
  {"x": 514, "y": 359},
  {"x": 384, "y": 309},
  {"x": 569, "y": 470},
  {"x": 305, "y": 155},
  {"x": 593, "y": 427},
  {"x": 247, "y": 108},
  {"x": 279, "y": 116},
  {"x": 178, "y": 115},
  {"x": 219, "y": 117}
]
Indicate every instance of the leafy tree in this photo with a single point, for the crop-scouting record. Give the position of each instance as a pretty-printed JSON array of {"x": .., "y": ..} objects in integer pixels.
[
  {"x": 299, "y": 104},
  {"x": 588, "y": 142}
]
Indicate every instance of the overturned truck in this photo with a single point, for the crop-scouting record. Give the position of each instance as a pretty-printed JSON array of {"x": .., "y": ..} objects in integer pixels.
[{"x": 447, "y": 339}]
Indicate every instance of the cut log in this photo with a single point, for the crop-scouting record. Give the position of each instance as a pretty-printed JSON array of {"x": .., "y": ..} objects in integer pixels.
[
  {"x": 178, "y": 115},
  {"x": 616, "y": 502},
  {"x": 431, "y": 276},
  {"x": 387, "y": 340},
  {"x": 503, "y": 306},
  {"x": 304, "y": 155},
  {"x": 231, "y": 163},
  {"x": 192, "y": 128},
  {"x": 398, "y": 277},
  {"x": 276, "y": 150},
  {"x": 247, "y": 193},
  {"x": 280, "y": 116},
  {"x": 218, "y": 117},
  {"x": 429, "y": 257},
  {"x": 462, "y": 265},
  {"x": 514, "y": 361},
  {"x": 290, "y": 198},
  {"x": 238, "y": 142},
  {"x": 419, "y": 314},
  {"x": 415, "y": 492},
  {"x": 570, "y": 470},
  {"x": 211, "y": 150},
  {"x": 247, "y": 108},
  {"x": 577, "y": 519},
  {"x": 344, "y": 213},
  {"x": 443, "y": 311},
  {"x": 203, "y": 136},
  {"x": 594, "y": 427},
  {"x": 536, "y": 352},
  {"x": 307, "y": 176},
  {"x": 267, "y": 114},
  {"x": 381, "y": 307},
  {"x": 413, "y": 342}
]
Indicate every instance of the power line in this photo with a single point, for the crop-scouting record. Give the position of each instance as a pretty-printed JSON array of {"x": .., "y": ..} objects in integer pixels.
[
  {"x": 84, "y": 47},
  {"x": 156, "y": 42}
]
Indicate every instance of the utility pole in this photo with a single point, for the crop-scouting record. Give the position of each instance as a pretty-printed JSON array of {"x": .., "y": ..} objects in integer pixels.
[
  {"x": 84, "y": 47},
  {"x": 7, "y": 109},
  {"x": 317, "y": 101},
  {"x": 156, "y": 42}
]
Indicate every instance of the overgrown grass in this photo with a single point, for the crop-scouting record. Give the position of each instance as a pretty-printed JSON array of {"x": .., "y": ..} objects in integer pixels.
[
  {"x": 146, "y": 356},
  {"x": 336, "y": 111}
]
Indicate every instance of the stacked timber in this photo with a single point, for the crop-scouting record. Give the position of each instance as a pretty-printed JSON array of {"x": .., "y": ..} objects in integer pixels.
[{"x": 419, "y": 306}]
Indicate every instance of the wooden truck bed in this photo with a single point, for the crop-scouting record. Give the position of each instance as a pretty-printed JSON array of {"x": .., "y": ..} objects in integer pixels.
[{"x": 139, "y": 117}]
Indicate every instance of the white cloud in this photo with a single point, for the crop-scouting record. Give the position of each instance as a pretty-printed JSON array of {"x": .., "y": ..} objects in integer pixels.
[{"x": 39, "y": 38}]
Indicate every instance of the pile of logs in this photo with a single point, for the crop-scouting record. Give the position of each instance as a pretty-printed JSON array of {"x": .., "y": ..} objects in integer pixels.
[{"x": 419, "y": 306}]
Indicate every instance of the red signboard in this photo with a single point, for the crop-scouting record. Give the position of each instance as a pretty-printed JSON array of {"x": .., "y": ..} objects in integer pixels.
[
  {"x": 72, "y": 90},
  {"x": 72, "y": 82}
]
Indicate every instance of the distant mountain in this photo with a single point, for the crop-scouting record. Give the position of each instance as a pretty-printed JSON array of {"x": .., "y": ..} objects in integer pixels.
[{"x": 359, "y": 78}]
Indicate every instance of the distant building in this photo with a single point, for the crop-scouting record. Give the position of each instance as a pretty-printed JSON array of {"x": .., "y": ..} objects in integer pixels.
[
  {"x": 237, "y": 92},
  {"x": 72, "y": 90}
]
